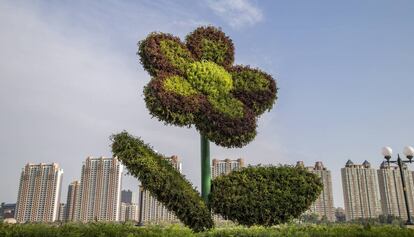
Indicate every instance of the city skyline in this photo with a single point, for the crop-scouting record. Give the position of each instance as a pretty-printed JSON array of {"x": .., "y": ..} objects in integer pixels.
[
  {"x": 368, "y": 192},
  {"x": 71, "y": 78}
]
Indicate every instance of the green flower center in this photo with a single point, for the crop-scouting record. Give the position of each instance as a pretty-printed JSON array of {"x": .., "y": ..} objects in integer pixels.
[{"x": 209, "y": 78}]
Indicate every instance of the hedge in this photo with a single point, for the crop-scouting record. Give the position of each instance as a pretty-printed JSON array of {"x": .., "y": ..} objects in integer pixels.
[
  {"x": 264, "y": 195},
  {"x": 128, "y": 230}
]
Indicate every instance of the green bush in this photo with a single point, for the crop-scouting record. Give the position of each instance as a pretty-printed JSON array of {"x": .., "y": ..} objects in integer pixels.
[
  {"x": 264, "y": 195},
  {"x": 128, "y": 230},
  {"x": 159, "y": 177}
]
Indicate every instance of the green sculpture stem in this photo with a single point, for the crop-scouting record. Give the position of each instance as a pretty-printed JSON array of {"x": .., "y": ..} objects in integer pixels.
[{"x": 205, "y": 168}]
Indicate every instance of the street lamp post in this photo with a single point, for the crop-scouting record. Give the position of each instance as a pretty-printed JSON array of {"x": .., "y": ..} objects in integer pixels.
[{"x": 409, "y": 153}]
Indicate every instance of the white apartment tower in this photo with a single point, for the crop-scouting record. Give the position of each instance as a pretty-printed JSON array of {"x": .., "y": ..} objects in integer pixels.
[
  {"x": 360, "y": 188},
  {"x": 39, "y": 193},
  {"x": 391, "y": 190},
  {"x": 221, "y": 167},
  {"x": 99, "y": 190},
  {"x": 152, "y": 211},
  {"x": 324, "y": 205}
]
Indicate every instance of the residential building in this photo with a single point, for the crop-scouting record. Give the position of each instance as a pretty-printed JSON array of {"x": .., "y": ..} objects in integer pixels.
[
  {"x": 129, "y": 212},
  {"x": 99, "y": 190},
  {"x": 152, "y": 211},
  {"x": 62, "y": 212},
  {"x": 324, "y": 205},
  {"x": 39, "y": 193},
  {"x": 225, "y": 166},
  {"x": 360, "y": 189},
  {"x": 391, "y": 190},
  {"x": 71, "y": 201},
  {"x": 127, "y": 196}
]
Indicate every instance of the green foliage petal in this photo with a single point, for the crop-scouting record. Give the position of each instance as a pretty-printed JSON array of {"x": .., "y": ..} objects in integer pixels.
[
  {"x": 213, "y": 51},
  {"x": 162, "y": 53},
  {"x": 211, "y": 44},
  {"x": 177, "y": 54},
  {"x": 256, "y": 89},
  {"x": 171, "y": 104}
]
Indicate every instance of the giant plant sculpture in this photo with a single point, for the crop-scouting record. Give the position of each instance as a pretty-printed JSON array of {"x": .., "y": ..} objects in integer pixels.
[{"x": 196, "y": 83}]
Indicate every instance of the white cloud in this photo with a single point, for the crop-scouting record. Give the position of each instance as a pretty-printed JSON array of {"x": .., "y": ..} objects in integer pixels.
[{"x": 236, "y": 13}]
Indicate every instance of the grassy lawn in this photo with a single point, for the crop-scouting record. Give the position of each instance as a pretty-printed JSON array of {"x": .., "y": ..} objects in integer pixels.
[{"x": 102, "y": 229}]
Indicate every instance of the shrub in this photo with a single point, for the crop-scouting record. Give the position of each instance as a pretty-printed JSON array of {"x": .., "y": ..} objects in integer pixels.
[
  {"x": 164, "y": 182},
  {"x": 127, "y": 230},
  {"x": 264, "y": 195}
]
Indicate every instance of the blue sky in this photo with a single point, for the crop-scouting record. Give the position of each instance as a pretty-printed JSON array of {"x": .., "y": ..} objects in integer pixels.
[{"x": 69, "y": 78}]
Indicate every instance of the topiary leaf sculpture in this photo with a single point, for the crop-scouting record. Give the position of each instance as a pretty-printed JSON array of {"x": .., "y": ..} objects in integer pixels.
[
  {"x": 195, "y": 83},
  {"x": 167, "y": 184},
  {"x": 264, "y": 195}
]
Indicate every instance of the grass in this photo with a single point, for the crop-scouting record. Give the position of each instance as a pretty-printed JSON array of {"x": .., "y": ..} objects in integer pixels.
[{"x": 129, "y": 230}]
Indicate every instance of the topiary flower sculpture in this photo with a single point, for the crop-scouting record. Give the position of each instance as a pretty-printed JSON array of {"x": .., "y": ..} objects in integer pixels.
[{"x": 196, "y": 83}]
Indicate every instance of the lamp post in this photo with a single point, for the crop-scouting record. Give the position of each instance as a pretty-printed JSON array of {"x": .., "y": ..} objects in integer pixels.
[{"x": 409, "y": 153}]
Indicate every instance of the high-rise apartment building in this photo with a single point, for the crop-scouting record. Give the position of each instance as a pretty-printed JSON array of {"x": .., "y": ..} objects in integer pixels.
[
  {"x": 62, "y": 212},
  {"x": 152, "y": 211},
  {"x": 127, "y": 196},
  {"x": 324, "y": 205},
  {"x": 129, "y": 206},
  {"x": 71, "y": 201},
  {"x": 39, "y": 193},
  {"x": 221, "y": 167},
  {"x": 129, "y": 212},
  {"x": 100, "y": 190},
  {"x": 391, "y": 190},
  {"x": 360, "y": 188}
]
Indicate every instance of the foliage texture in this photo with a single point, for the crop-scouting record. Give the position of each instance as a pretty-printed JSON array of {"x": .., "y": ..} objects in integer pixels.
[
  {"x": 128, "y": 230},
  {"x": 163, "y": 181},
  {"x": 264, "y": 195},
  {"x": 196, "y": 83}
]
